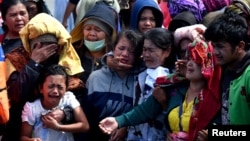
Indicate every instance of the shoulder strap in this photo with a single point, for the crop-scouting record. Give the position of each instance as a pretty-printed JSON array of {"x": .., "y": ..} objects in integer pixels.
[{"x": 180, "y": 113}]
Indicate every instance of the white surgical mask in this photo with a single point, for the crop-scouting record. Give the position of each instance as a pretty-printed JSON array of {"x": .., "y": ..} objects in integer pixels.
[{"x": 94, "y": 45}]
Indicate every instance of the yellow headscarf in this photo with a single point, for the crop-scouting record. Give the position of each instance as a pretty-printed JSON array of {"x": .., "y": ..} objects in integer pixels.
[{"x": 43, "y": 24}]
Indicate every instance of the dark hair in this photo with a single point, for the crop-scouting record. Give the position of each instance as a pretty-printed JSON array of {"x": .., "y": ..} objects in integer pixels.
[
  {"x": 54, "y": 69},
  {"x": 163, "y": 39},
  {"x": 5, "y": 5},
  {"x": 230, "y": 27},
  {"x": 156, "y": 13},
  {"x": 210, "y": 16},
  {"x": 185, "y": 18},
  {"x": 135, "y": 39},
  {"x": 41, "y": 7}
]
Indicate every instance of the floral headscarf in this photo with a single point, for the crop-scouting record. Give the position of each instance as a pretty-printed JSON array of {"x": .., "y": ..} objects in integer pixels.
[{"x": 208, "y": 102}]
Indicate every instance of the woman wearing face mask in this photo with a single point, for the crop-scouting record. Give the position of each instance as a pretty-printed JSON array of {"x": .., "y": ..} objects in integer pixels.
[{"x": 92, "y": 37}]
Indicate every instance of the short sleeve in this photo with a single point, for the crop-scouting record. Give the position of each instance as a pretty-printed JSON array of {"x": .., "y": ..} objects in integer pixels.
[
  {"x": 27, "y": 114},
  {"x": 69, "y": 99}
]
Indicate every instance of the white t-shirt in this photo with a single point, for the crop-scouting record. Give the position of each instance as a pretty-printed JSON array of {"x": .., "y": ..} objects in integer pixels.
[{"x": 32, "y": 113}]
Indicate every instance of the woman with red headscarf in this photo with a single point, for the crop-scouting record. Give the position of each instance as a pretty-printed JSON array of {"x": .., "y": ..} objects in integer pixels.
[{"x": 190, "y": 106}]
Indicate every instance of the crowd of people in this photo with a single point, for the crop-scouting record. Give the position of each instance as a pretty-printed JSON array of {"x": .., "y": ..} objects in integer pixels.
[{"x": 123, "y": 70}]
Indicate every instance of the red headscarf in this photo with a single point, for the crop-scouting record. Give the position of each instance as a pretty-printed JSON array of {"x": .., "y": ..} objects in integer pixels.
[{"x": 209, "y": 102}]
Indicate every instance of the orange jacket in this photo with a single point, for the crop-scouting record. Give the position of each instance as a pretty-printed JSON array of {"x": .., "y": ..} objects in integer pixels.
[{"x": 4, "y": 102}]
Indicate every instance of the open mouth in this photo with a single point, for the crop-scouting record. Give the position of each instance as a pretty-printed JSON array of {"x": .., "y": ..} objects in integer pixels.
[
  {"x": 125, "y": 61},
  {"x": 19, "y": 25},
  {"x": 53, "y": 96},
  {"x": 190, "y": 70}
]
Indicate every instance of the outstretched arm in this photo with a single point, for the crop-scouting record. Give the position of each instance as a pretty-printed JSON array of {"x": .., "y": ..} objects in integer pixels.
[
  {"x": 146, "y": 111},
  {"x": 108, "y": 125},
  {"x": 160, "y": 95}
]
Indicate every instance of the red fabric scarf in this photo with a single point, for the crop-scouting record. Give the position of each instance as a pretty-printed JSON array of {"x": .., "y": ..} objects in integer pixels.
[{"x": 208, "y": 103}]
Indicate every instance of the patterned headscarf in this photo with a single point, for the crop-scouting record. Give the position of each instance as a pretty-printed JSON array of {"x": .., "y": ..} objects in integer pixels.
[
  {"x": 208, "y": 102},
  {"x": 201, "y": 53},
  {"x": 241, "y": 7}
]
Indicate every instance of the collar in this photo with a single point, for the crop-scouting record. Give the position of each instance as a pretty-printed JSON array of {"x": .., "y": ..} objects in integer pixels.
[{"x": 152, "y": 74}]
